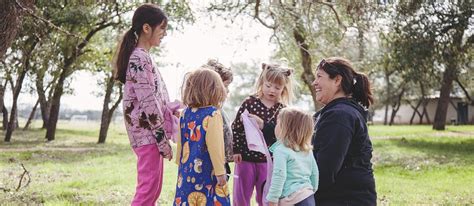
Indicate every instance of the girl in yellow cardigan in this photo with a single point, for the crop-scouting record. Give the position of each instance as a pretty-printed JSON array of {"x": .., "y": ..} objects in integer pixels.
[{"x": 200, "y": 152}]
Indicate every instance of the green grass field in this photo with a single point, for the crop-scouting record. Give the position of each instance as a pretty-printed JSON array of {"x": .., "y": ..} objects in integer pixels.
[{"x": 413, "y": 165}]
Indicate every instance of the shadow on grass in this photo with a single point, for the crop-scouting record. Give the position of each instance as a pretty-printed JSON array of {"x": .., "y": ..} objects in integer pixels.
[
  {"x": 61, "y": 154},
  {"x": 462, "y": 147},
  {"x": 424, "y": 152}
]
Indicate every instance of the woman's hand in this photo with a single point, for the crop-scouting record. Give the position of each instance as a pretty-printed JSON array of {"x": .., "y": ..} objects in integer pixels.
[
  {"x": 237, "y": 158},
  {"x": 258, "y": 120}
]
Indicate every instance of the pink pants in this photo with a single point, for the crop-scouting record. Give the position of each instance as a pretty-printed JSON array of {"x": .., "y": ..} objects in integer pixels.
[
  {"x": 250, "y": 175},
  {"x": 149, "y": 175}
]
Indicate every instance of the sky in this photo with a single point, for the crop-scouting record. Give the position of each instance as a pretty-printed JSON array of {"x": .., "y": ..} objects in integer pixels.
[{"x": 244, "y": 40}]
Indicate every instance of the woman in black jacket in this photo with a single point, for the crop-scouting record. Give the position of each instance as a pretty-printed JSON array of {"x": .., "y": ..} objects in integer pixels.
[{"x": 342, "y": 147}]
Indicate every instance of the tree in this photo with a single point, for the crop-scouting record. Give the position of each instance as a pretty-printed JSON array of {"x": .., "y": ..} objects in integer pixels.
[
  {"x": 296, "y": 20},
  {"x": 30, "y": 45},
  {"x": 308, "y": 30},
  {"x": 439, "y": 31},
  {"x": 85, "y": 20}
]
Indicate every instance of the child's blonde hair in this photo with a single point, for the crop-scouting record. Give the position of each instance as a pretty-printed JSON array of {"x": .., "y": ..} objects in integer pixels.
[
  {"x": 203, "y": 87},
  {"x": 296, "y": 129},
  {"x": 275, "y": 74}
]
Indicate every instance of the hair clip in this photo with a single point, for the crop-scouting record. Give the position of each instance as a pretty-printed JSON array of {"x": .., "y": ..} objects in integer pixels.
[
  {"x": 264, "y": 66},
  {"x": 136, "y": 36},
  {"x": 289, "y": 72},
  {"x": 354, "y": 81}
]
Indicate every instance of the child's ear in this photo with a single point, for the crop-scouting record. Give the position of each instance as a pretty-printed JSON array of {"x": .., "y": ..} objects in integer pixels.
[
  {"x": 146, "y": 28},
  {"x": 264, "y": 66}
]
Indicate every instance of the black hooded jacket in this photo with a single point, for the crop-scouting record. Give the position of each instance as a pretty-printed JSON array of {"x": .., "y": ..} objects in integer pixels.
[{"x": 343, "y": 150}]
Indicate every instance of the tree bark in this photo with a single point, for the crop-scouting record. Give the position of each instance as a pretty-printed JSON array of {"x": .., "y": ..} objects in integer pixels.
[
  {"x": 307, "y": 75},
  {"x": 107, "y": 112},
  {"x": 464, "y": 90},
  {"x": 415, "y": 110},
  {"x": 396, "y": 106},
  {"x": 13, "y": 112},
  {"x": 387, "y": 101},
  {"x": 32, "y": 115},
  {"x": 443, "y": 102},
  {"x": 5, "y": 117},
  {"x": 2, "y": 106},
  {"x": 55, "y": 105},
  {"x": 11, "y": 14},
  {"x": 44, "y": 102},
  {"x": 2, "y": 93}
]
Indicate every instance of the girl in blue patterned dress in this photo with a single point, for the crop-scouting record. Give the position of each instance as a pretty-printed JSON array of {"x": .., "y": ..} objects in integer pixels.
[{"x": 200, "y": 151}]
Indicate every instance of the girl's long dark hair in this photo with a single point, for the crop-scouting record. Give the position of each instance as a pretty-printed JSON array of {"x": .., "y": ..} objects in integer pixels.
[{"x": 145, "y": 14}]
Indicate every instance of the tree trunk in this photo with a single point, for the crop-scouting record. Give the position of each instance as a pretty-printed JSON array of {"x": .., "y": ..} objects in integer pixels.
[
  {"x": 11, "y": 14},
  {"x": 360, "y": 39},
  {"x": 307, "y": 75},
  {"x": 425, "y": 112},
  {"x": 5, "y": 118},
  {"x": 387, "y": 101},
  {"x": 44, "y": 103},
  {"x": 32, "y": 115},
  {"x": 2, "y": 106},
  {"x": 106, "y": 112},
  {"x": 415, "y": 111},
  {"x": 55, "y": 104},
  {"x": 13, "y": 123},
  {"x": 13, "y": 112},
  {"x": 464, "y": 90},
  {"x": 396, "y": 106},
  {"x": 2, "y": 93},
  {"x": 443, "y": 102}
]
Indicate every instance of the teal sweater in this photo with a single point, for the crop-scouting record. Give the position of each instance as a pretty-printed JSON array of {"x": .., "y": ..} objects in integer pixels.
[{"x": 292, "y": 171}]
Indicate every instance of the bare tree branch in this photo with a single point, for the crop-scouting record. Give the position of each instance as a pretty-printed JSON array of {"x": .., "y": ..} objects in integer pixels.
[
  {"x": 331, "y": 6},
  {"x": 257, "y": 16},
  {"x": 25, "y": 172}
]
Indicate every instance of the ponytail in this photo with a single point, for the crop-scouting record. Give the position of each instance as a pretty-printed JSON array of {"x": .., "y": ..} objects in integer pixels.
[
  {"x": 353, "y": 83},
  {"x": 145, "y": 14},
  {"x": 125, "y": 50},
  {"x": 361, "y": 90}
]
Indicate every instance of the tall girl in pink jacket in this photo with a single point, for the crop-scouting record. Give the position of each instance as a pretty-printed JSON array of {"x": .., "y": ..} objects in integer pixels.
[{"x": 145, "y": 100}]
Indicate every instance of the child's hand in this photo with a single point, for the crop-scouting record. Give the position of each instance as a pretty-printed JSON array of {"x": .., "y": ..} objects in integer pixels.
[
  {"x": 165, "y": 149},
  {"x": 258, "y": 120},
  {"x": 177, "y": 113},
  {"x": 272, "y": 204},
  {"x": 221, "y": 180},
  {"x": 237, "y": 158}
]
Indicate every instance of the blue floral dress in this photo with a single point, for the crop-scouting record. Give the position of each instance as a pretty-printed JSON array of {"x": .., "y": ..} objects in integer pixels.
[{"x": 197, "y": 184}]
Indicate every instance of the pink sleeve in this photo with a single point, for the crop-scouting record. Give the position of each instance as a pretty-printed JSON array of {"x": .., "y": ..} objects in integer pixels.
[{"x": 146, "y": 87}]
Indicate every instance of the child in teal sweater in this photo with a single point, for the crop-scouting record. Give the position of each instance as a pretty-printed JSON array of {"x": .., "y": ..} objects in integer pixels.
[{"x": 295, "y": 173}]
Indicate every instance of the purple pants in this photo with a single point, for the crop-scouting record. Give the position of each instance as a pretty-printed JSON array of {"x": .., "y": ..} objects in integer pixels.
[
  {"x": 250, "y": 175},
  {"x": 149, "y": 175}
]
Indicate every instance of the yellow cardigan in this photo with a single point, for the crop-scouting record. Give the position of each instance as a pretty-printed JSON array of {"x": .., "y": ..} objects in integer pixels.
[{"x": 214, "y": 143}]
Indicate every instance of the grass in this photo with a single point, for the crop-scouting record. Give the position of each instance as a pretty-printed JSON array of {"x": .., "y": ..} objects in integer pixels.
[{"x": 413, "y": 165}]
